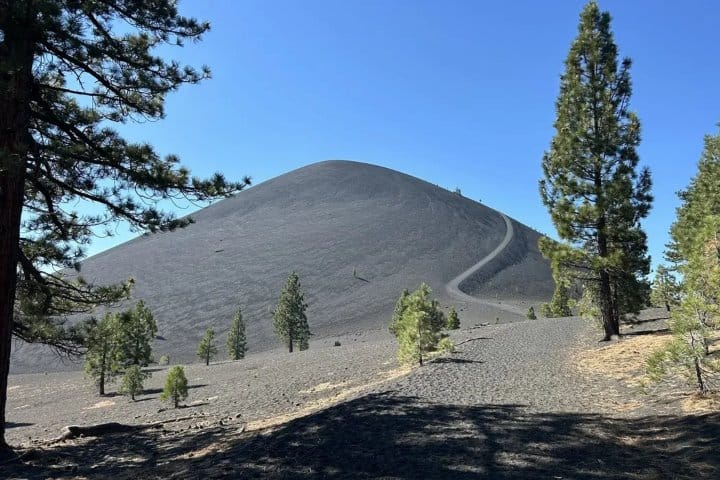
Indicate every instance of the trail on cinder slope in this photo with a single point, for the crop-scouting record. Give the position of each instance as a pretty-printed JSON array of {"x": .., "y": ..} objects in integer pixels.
[{"x": 357, "y": 235}]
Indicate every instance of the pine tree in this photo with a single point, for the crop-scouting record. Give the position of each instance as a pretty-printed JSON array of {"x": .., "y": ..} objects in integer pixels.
[
  {"x": 236, "y": 342},
  {"x": 176, "y": 386},
  {"x": 591, "y": 186},
  {"x": 687, "y": 352},
  {"x": 68, "y": 72},
  {"x": 207, "y": 349},
  {"x": 132, "y": 381},
  {"x": 453, "y": 321},
  {"x": 136, "y": 333},
  {"x": 419, "y": 328},
  {"x": 101, "y": 359},
  {"x": 695, "y": 250},
  {"x": 665, "y": 289},
  {"x": 289, "y": 319}
]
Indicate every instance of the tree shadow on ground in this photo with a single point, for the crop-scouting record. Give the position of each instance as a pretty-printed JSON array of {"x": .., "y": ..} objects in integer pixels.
[
  {"x": 155, "y": 391},
  {"x": 18, "y": 424},
  {"x": 388, "y": 435},
  {"x": 453, "y": 360}
]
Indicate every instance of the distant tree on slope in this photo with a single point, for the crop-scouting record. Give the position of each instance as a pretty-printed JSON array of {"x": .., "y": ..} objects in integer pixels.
[
  {"x": 176, "y": 386},
  {"x": 236, "y": 341},
  {"x": 665, "y": 289},
  {"x": 289, "y": 319},
  {"x": 453, "y": 320},
  {"x": 592, "y": 187},
  {"x": 132, "y": 381},
  {"x": 136, "y": 333},
  {"x": 101, "y": 359},
  {"x": 207, "y": 349}
]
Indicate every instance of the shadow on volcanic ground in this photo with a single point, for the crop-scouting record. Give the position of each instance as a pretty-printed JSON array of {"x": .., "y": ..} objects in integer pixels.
[{"x": 389, "y": 435}]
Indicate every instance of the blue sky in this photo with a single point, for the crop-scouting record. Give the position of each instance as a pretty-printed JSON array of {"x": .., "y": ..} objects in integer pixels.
[{"x": 459, "y": 93}]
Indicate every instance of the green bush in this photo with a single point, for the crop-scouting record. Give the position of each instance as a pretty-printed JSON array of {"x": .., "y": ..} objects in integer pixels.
[
  {"x": 176, "y": 388},
  {"x": 453, "y": 321},
  {"x": 132, "y": 382}
]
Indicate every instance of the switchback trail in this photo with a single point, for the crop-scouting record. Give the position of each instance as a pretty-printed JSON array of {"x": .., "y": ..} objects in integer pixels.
[{"x": 453, "y": 287}]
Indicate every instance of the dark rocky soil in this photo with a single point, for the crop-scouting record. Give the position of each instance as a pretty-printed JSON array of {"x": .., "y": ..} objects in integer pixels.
[{"x": 509, "y": 403}]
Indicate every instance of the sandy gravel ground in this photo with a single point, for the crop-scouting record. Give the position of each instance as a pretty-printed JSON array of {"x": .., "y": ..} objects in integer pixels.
[{"x": 512, "y": 402}]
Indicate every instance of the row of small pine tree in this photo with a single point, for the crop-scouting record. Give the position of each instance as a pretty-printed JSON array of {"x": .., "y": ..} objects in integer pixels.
[{"x": 121, "y": 343}]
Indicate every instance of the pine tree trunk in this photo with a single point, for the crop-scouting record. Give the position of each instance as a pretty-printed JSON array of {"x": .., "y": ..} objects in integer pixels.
[
  {"x": 16, "y": 59},
  {"x": 11, "y": 198},
  {"x": 698, "y": 374},
  {"x": 207, "y": 359},
  {"x": 606, "y": 309},
  {"x": 290, "y": 344},
  {"x": 606, "y": 295}
]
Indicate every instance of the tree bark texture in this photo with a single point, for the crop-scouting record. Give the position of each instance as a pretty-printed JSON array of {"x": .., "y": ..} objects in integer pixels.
[{"x": 16, "y": 82}]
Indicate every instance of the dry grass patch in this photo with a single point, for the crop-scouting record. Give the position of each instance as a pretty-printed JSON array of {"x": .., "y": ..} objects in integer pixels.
[{"x": 623, "y": 360}]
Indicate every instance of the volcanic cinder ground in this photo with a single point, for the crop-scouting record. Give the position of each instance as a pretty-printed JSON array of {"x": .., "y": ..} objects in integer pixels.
[{"x": 357, "y": 234}]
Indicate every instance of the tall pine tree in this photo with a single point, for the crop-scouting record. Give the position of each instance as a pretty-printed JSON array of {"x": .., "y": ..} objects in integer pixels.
[
  {"x": 592, "y": 187},
  {"x": 289, "y": 317},
  {"x": 236, "y": 341},
  {"x": 68, "y": 71}
]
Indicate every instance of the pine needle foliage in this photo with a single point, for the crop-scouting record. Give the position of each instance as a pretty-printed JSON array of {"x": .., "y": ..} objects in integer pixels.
[
  {"x": 695, "y": 250},
  {"x": 453, "y": 320},
  {"x": 688, "y": 352},
  {"x": 206, "y": 349},
  {"x": 176, "y": 386},
  {"x": 592, "y": 185},
  {"x": 102, "y": 361},
  {"x": 136, "y": 331},
  {"x": 419, "y": 327},
  {"x": 132, "y": 381},
  {"x": 236, "y": 341},
  {"x": 398, "y": 312},
  {"x": 665, "y": 291},
  {"x": 289, "y": 319}
]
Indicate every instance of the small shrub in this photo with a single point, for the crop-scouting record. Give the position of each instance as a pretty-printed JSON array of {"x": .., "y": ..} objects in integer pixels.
[
  {"x": 176, "y": 387},
  {"x": 453, "y": 321},
  {"x": 337, "y": 343},
  {"x": 132, "y": 382},
  {"x": 164, "y": 360},
  {"x": 445, "y": 345},
  {"x": 531, "y": 314}
]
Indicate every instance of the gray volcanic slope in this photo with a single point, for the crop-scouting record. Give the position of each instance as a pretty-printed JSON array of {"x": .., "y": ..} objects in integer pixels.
[{"x": 323, "y": 221}]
